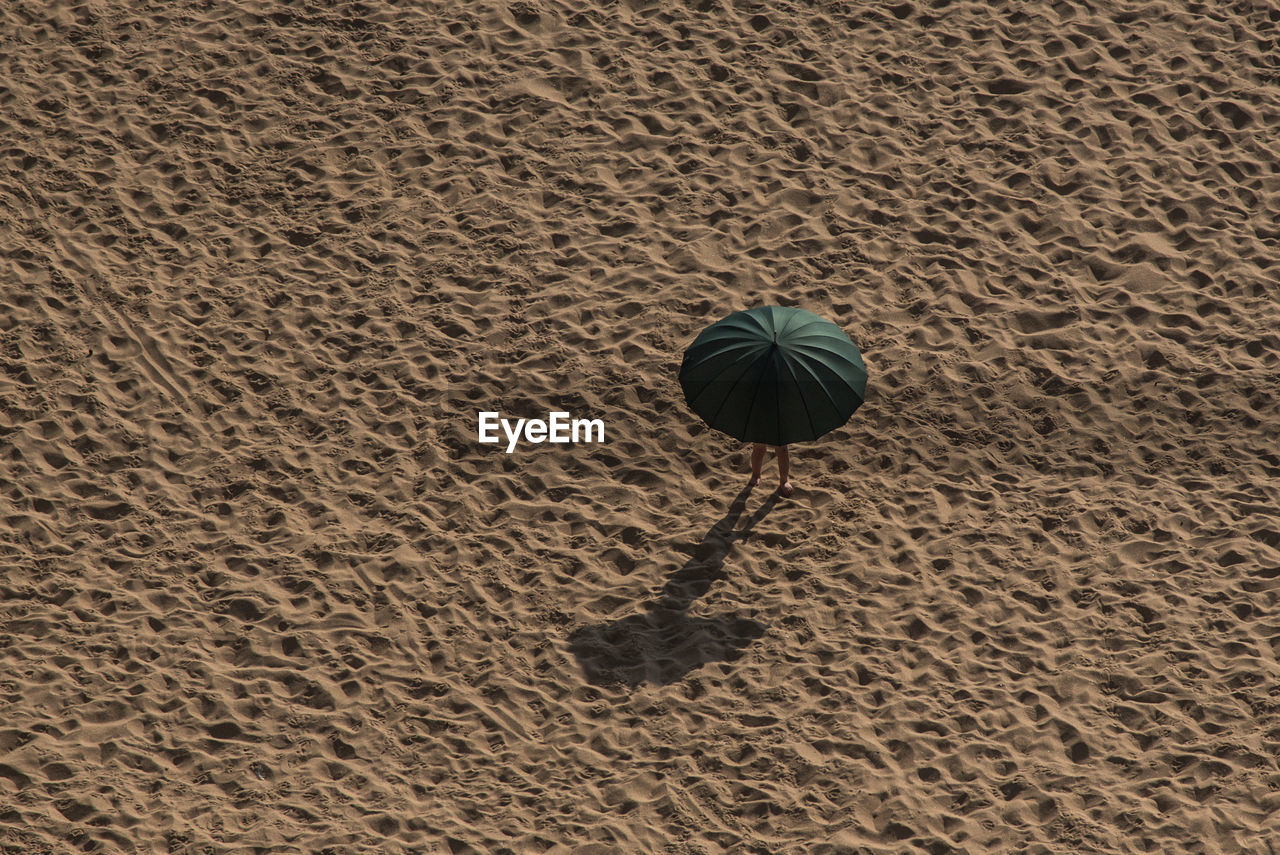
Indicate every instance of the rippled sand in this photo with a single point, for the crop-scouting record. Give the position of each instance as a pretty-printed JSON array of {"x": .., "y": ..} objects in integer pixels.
[{"x": 262, "y": 591}]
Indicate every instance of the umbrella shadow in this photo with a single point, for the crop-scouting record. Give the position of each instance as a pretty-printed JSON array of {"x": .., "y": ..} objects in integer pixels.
[{"x": 663, "y": 643}]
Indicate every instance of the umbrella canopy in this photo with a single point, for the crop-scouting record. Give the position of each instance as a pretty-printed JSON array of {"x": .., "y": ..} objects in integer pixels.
[{"x": 773, "y": 374}]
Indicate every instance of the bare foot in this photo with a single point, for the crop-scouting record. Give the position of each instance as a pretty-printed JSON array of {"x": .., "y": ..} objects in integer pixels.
[
  {"x": 754, "y": 481},
  {"x": 785, "y": 489}
]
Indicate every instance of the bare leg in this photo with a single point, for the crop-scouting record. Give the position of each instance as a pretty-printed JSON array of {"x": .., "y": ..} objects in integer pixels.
[
  {"x": 784, "y": 469},
  {"x": 757, "y": 460}
]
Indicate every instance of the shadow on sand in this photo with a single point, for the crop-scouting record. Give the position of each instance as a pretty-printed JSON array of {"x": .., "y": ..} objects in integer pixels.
[{"x": 663, "y": 643}]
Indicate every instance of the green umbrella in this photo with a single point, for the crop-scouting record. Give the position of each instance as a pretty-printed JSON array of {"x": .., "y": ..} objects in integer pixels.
[{"x": 773, "y": 374}]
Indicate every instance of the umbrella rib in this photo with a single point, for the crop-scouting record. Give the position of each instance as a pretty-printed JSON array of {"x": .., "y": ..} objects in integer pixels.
[
  {"x": 712, "y": 354},
  {"x": 834, "y": 405},
  {"x": 755, "y": 396},
  {"x": 809, "y": 324},
  {"x": 808, "y": 416},
  {"x": 777, "y": 411},
  {"x": 738, "y": 380},
  {"x": 834, "y": 371},
  {"x": 763, "y": 329},
  {"x": 791, "y": 317},
  {"x": 830, "y": 333}
]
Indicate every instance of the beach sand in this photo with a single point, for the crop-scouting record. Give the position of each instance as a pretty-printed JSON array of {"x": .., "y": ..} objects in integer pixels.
[{"x": 262, "y": 590}]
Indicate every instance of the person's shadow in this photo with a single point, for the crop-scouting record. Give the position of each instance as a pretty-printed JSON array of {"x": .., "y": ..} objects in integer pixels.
[{"x": 663, "y": 643}]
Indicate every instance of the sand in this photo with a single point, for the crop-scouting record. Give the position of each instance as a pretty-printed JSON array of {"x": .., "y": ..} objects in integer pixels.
[{"x": 262, "y": 590}]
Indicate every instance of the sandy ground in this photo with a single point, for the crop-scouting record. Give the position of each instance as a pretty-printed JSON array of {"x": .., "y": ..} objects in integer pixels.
[{"x": 262, "y": 591}]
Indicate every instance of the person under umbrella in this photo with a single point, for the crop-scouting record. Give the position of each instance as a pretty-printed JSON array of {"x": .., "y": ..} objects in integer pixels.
[
  {"x": 773, "y": 376},
  {"x": 758, "y": 452}
]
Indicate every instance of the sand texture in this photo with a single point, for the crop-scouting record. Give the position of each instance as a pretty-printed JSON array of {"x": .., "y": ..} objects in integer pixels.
[{"x": 262, "y": 590}]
